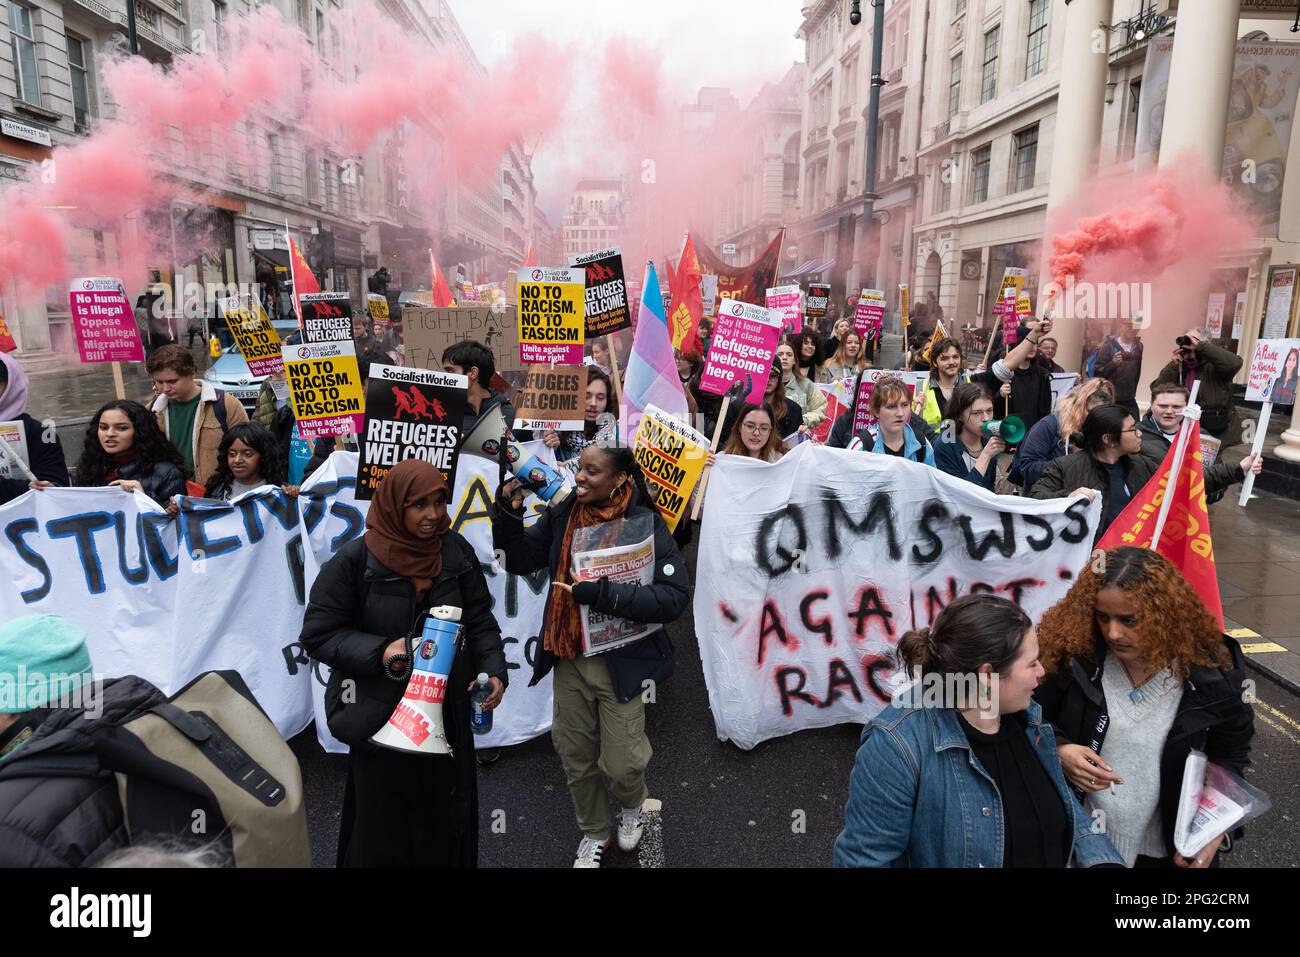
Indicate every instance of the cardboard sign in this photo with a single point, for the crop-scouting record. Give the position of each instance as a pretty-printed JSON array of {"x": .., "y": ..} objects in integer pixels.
[
  {"x": 379, "y": 314},
  {"x": 552, "y": 397},
  {"x": 410, "y": 414},
  {"x": 784, "y": 301},
  {"x": 905, "y": 303},
  {"x": 428, "y": 332},
  {"x": 103, "y": 320},
  {"x": 326, "y": 317},
  {"x": 258, "y": 341},
  {"x": 14, "y": 435},
  {"x": 870, "y": 314},
  {"x": 552, "y": 315},
  {"x": 744, "y": 341},
  {"x": 325, "y": 388},
  {"x": 607, "y": 311},
  {"x": 866, "y": 385},
  {"x": 819, "y": 299},
  {"x": 1274, "y": 369},
  {"x": 671, "y": 455},
  {"x": 1214, "y": 307}
]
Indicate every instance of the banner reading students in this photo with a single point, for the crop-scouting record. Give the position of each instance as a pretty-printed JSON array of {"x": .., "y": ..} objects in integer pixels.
[
  {"x": 552, "y": 315},
  {"x": 410, "y": 414}
]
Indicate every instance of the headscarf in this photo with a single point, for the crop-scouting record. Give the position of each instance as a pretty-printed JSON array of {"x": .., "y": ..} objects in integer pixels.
[
  {"x": 13, "y": 401},
  {"x": 418, "y": 559}
]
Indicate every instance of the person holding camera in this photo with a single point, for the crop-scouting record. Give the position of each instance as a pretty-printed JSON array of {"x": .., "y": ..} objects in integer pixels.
[
  {"x": 1197, "y": 359},
  {"x": 1119, "y": 360}
]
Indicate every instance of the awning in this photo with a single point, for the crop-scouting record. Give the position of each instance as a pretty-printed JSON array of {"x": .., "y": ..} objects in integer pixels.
[{"x": 801, "y": 270}]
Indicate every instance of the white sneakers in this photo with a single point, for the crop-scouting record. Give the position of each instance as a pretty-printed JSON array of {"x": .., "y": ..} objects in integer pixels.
[
  {"x": 631, "y": 824},
  {"x": 589, "y": 852}
]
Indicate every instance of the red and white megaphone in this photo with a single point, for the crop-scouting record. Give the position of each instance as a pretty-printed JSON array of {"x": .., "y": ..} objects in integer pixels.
[{"x": 416, "y": 723}]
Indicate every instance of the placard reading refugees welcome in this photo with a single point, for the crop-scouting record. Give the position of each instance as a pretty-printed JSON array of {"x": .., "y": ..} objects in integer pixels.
[
  {"x": 744, "y": 341},
  {"x": 607, "y": 311},
  {"x": 410, "y": 414},
  {"x": 326, "y": 317},
  {"x": 552, "y": 397}
]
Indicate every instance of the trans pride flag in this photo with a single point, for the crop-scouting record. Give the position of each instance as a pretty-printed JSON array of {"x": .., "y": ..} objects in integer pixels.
[{"x": 651, "y": 377}]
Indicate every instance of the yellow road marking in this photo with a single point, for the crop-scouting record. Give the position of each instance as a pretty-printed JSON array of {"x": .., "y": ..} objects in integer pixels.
[
  {"x": 1280, "y": 729},
  {"x": 1261, "y": 647},
  {"x": 1240, "y": 633},
  {"x": 1278, "y": 714}
]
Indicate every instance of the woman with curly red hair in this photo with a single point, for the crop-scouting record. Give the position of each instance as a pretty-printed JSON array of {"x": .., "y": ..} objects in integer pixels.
[{"x": 1139, "y": 674}]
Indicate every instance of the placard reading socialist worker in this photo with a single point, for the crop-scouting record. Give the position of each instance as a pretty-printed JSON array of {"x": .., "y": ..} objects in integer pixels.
[
  {"x": 607, "y": 309},
  {"x": 326, "y": 317},
  {"x": 410, "y": 414}
]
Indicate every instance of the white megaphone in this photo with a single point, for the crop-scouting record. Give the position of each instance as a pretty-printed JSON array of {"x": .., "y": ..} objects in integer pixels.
[{"x": 416, "y": 723}]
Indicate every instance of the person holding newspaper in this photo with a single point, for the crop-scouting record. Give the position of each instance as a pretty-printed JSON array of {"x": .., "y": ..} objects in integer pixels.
[
  {"x": 973, "y": 778},
  {"x": 1139, "y": 674},
  {"x": 598, "y": 722}
]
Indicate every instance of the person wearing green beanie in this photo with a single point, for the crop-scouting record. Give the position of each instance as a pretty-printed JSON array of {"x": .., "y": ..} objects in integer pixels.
[{"x": 44, "y": 664}]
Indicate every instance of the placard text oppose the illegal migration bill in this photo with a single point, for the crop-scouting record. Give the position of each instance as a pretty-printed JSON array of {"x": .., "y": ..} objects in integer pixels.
[
  {"x": 410, "y": 414},
  {"x": 552, "y": 397},
  {"x": 607, "y": 308},
  {"x": 326, "y": 317},
  {"x": 258, "y": 341},
  {"x": 325, "y": 388},
  {"x": 672, "y": 456},
  {"x": 103, "y": 321},
  {"x": 552, "y": 315},
  {"x": 744, "y": 341}
]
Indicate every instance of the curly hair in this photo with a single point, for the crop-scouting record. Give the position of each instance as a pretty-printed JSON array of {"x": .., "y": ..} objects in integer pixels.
[
  {"x": 149, "y": 443},
  {"x": 257, "y": 437},
  {"x": 1175, "y": 627}
]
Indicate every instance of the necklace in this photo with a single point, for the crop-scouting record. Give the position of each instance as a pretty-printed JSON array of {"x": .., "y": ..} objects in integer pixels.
[{"x": 1136, "y": 694}]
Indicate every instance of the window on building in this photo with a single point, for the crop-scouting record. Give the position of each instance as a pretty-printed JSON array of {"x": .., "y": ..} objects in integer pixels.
[
  {"x": 22, "y": 44},
  {"x": 320, "y": 32},
  {"x": 273, "y": 152},
  {"x": 219, "y": 26},
  {"x": 958, "y": 8},
  {"x": 891, "y": 42},
  {"x": 311, "y": 179},
  {"x": 943, "y": 191},
  {"x": 954, "y": 85},
  {"x": 989, "y": 80},
  {"x": 790, "y": 166},
  {"x": 1128, "y": 140},
  {"x": 1036, "y": 59},
  {"x": 147, "y": 15},
  {"x": 1024, "y": 158},
  {"x": 907, "y": 38},
  {"x": 302, "y": 6},
  {"x": 849, "y": 79},
  {"x": 80, "y": 81},
  {"x": 980, "y": 160}
]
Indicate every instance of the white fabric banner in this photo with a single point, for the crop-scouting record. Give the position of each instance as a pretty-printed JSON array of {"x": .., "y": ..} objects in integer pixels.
[
  {"x": 332, "y": 517},
  {"x": 811, "y": 569}
]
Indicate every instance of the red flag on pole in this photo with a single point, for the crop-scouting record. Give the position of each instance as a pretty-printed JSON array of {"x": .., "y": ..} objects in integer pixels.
[
  {"x": 687, "y": 301},
  {"x": 530, "y": 257},
  {"x": 441, "y": 292},
  {"x": 1185, "y": 538},
  {"x": 304, "y": 280}
]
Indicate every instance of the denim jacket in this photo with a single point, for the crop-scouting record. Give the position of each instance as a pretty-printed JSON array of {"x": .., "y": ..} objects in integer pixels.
[{"x": 919, "y": 798}]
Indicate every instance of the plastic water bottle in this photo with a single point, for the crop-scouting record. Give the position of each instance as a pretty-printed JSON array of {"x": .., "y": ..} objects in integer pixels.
[{"x": 480, "y": 718}]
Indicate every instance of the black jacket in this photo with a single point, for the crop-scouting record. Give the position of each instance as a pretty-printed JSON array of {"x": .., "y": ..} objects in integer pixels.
[
  {"x": 665, "y": 600},
  {"x": 58, "y": 808},
  {"x": 45, "y": 461},
  {"x": 160, "y": 482},
  {"x": 358, "y": 606},
  {"x": 788, "y": 425},
  {"x": 1218, "y": 477},
  {"x": 1212, "y": 717},
  {"x": 1123, "y": 373}
]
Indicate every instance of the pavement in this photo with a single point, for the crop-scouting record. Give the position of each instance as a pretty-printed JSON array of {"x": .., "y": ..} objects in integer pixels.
[{"x": 779, "y": 805}]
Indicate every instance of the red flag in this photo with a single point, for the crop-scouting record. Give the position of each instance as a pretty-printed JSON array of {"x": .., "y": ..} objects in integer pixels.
[
  {"x": 746, "y": 283},
  {"x": 304, "y": 280},
  {"x": 7, "y": 343},
  {"x": 1185, "y": 539},
  {"x": 530, "y": 257},
  {"x": 441, "y": 293},
  {"x": 687, "y": 302}
]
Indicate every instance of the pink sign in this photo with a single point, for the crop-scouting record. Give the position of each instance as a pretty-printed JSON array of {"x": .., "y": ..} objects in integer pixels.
[
  {"x": 862, "y": 417},
  {"x": 870, "y": 314},
  {"x": 784, "y": 301},
  {"x": 1006, "y": 309},
  {"x": 744, "y": 341},
  {"x": 104, "y": 322}
]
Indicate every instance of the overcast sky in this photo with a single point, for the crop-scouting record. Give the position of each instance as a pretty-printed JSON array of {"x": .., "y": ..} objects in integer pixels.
[{"x": 729, "y": 43}]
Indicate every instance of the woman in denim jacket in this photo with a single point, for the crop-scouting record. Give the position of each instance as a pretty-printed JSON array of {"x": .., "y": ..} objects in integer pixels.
[{"x": 960, "y": 771}]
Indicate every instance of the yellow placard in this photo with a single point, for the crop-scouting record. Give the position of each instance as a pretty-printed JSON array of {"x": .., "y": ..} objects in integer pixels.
[
  {"x": 325, "y": 388},
  {"x": 552, "y": 315},
  {"x": 672, "y": 456},
  {"x": 1023, "y": 306},
  {"x": 258, "y": 341},
  {"x": 905, "y": 303},
  {"x": 378, "y": 307}
]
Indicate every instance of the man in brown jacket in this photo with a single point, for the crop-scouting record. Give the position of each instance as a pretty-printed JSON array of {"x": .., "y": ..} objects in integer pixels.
[{"x": 193, "y": 414}]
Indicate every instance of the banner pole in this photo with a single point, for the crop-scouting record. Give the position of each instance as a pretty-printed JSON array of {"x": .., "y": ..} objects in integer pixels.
[
  {"x": 1256, "y": 448},
  {"x": 1180, "y": 450},
  {"x": 613, "y": 368},
  {"x": 10, "y": 456},
  {"x": 713, "y": 447},
  {"x": 118, "y": 385}
]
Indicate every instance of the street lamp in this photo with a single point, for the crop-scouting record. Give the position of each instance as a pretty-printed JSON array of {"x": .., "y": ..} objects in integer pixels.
[{"x": 855, "y": 14}]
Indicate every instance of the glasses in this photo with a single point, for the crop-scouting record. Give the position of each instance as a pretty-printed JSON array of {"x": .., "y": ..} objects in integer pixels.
[
  {"x": 1133, "y": 429},
  {"x": 755, "y": 429}
]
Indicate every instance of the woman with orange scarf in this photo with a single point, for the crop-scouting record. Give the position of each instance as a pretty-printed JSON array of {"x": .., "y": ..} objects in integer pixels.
[
  {"x": 402, "y": 809},
  {"x": 598, "y": 722}
]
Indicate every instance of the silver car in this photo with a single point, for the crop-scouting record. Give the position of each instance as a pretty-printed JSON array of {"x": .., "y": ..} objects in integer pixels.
[{"x": 231, "y": 374}]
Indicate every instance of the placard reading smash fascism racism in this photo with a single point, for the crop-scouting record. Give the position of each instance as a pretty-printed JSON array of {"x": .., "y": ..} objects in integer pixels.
[
  {"x": 552, "y": 315},
  {"x": 552, "y": 397},
  {"x": 325, "y": 388},
  {"x": 410, "y": 414},
  {"x": 326, "y": 317},
  {"x": 607, "y": 309},
  {"x": 672, "y": 456}
]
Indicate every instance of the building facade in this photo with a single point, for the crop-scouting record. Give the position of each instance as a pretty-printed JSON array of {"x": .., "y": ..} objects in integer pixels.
[{"x": 593, "y": 220}]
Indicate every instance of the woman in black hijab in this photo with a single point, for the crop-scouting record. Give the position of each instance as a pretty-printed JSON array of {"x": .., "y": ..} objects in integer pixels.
[{"x": 402, "y": 808}]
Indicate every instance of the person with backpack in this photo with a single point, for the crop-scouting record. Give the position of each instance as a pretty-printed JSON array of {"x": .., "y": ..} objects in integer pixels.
[
  {"x": 194, "y": 415},
  {"x": 598, "y": 717},
  {"x": 400, "y": 808},
  {"x": 895, "y": 432}
]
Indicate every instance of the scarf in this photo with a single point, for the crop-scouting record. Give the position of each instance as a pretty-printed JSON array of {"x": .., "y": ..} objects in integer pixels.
[
  {"x": 419, "y": 559},
  {"x": 13, "y": 397},
  {"x": 117, "y": 461},
  {"x": 562, "y": 634}
]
